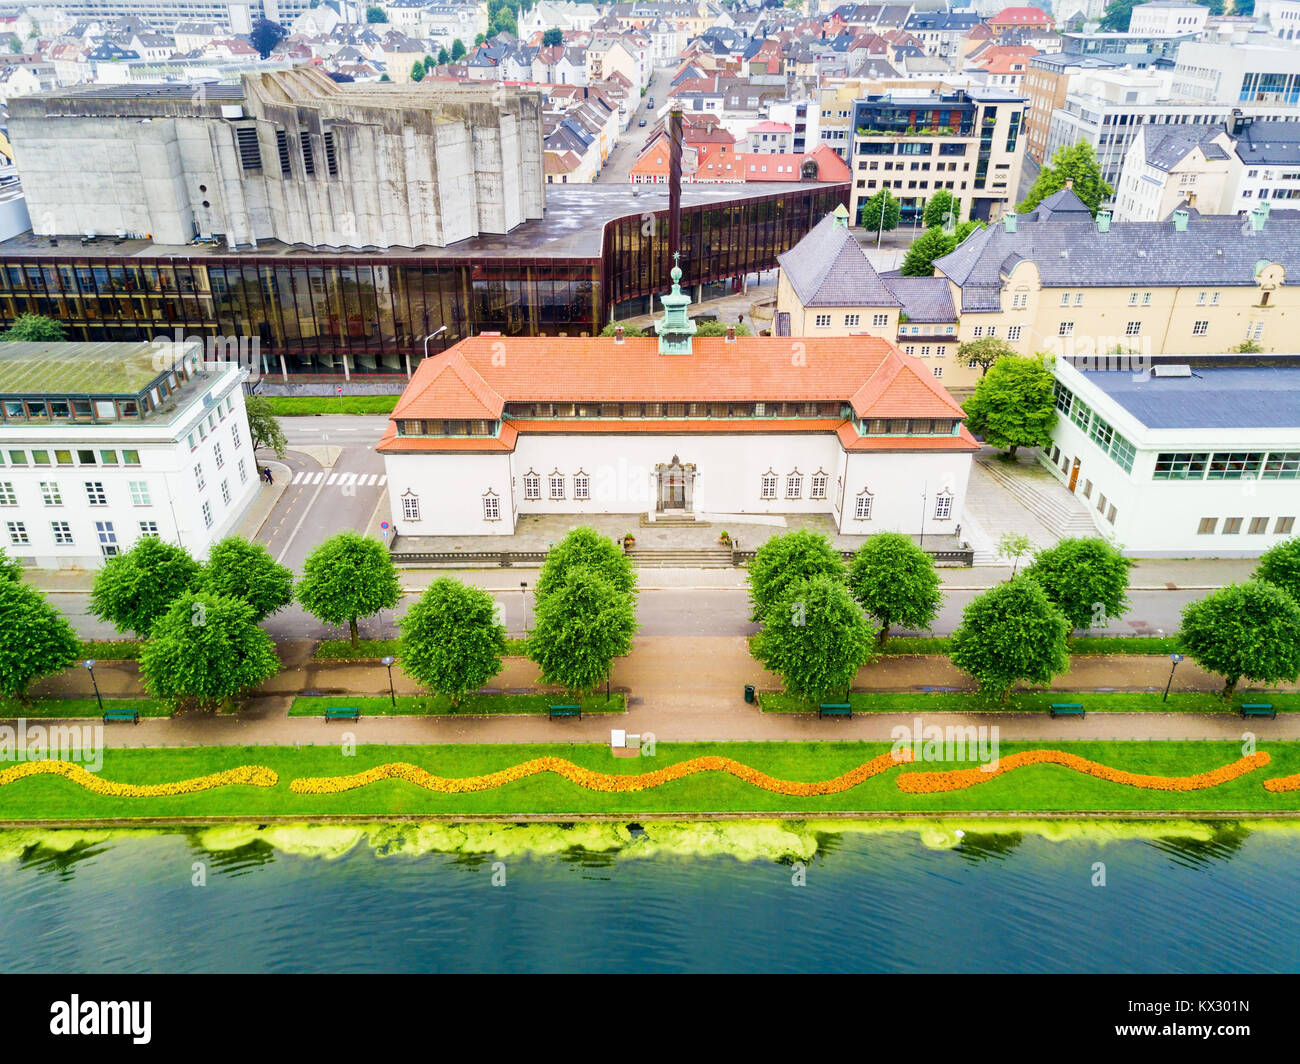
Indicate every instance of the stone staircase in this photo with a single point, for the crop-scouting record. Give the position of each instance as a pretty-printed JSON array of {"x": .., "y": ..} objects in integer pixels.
[
  {"x": 683, "y": 558},
  {"x": 667, "y": 520},
  {"x": 1051, "y": 502}
]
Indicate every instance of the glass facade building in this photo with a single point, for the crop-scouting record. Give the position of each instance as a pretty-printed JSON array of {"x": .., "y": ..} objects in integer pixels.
[{"x": 307, "y": 310}]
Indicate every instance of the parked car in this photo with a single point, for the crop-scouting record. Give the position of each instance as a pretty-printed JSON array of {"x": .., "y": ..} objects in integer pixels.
[
  {"x": 650, "y": 102},
  {"x": 641, "y": 123}
]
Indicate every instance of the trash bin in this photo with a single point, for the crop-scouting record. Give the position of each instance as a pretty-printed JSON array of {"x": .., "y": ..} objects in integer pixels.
[{"x": 749, "y": 692}]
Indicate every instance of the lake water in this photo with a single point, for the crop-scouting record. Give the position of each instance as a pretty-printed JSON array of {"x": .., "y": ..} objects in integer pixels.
[{"x": 744, "y": 897}]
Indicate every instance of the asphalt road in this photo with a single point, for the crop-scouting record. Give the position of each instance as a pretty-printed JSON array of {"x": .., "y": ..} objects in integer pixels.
[{"x": 632, "y": 139}]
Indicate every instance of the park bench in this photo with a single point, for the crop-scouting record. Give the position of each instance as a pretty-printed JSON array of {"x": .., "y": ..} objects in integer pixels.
[
  {"x": 835, "y": 709},
  {"x": 112, "y": 716},
  {"x": 1259, "y": 709},
  {"x": 1067, "y": 709},
  {"x": 566, "y": 711},
  {"x": 342, "y": 713}
]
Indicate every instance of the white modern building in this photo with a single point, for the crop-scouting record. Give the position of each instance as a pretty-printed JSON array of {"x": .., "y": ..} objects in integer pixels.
[
  {"x": 1161, "y": 18},
  {"x": 1193, "y": 459},
  {"x": 675, "y": 427},
  {"x": 103, "y": 443}
]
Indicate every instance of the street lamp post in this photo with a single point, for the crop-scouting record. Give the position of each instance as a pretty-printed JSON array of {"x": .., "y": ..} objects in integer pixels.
[
  {"x": 523, "y": 594},
  {"x": 90, "y": 668},
  {"x": 1174, "y": 660},
  {"x": 388, "y": 664},
  {"x": 924, "y": 491},
  {"x": 436, "y": 332}
]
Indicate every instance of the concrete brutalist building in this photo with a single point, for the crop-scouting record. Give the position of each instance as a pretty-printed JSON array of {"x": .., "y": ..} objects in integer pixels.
[{"x": 289, "y": 156}]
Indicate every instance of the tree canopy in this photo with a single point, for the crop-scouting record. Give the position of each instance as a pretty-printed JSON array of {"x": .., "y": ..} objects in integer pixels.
[
  {"x": 933, "y": 244},
  {"x": 1013, "y": 405},
  {"x": 451, "y": 640},
  {"x": 265, "y": 35},
  {"x": 895, "y": 582},
  {"x": 815, "y": 638},
  {"x": 136, "y": 588},
  {"x": 1244, "y": 630},
  {"x": 786, "y": 560},
  {"x": 552, "y": 37},
  {"x": 628, "y": 330},
  {"x": 585, "y": 547},
  {"x": 1087, "y": 579},
  {"x": 35, "y": 328},
  {"x": 38, "y": 640},
  {"x": 417, "y": 70},
  {"x": 1011, "y": 633},
  {"x": 984, "y": 352},
  {"x": 719, "y": 328},
  {"x": 581, "y": 625},
  {"x": 1076, "y": 162},
  {"x": 246, "y": 571},
  {"x": 347, "y": 577},
  {"x": 1280, "y": 565},
  {"x": 206, "y": 649},
  {"x": 10, "y": 568},
  {"x": 457, "y": 50},
  {"x": 943, "y": 210},
  {"x": 869, "y": 214},
  {"x": 375, "y": 15},
  {"x": 264, "y": 426}
]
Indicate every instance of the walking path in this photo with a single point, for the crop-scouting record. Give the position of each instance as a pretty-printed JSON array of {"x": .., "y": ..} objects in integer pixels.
[{"x": 682, "y": 689}]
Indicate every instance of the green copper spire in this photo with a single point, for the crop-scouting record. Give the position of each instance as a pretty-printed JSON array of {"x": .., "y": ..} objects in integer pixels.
[{"x": 675, "y": 328}]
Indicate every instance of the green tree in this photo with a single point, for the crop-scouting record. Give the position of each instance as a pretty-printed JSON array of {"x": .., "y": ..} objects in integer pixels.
[
  {"x": 375, "y": 15},
  {"x": 1010, "y": 633},
  {"x": 786, "y": 560},
  {"x": 719, "y": 328},
  {"x": 246, "y": 571},
  {"x": 1013, "y": 405},
  {"x": 964, "y": 229},
  {"x": 38, "y": 640},
  {"x": 943, "y": 210},
  {"x": 417, "y": 70},
  {"x": 347, "y": 577},
  {"x": 984, "y": 352},
  {"x": 457, "y": 50},
  {"x": 264, "y": 426},
  {"x": 444, "y": 57},
  {"x": 451, "y": 640},
  {"x": 206, "y": 649},
  {"x": 35, "y": 328},
  {"x": 1244, "y": 630},
  {"x": 930, "y": 245},
  {"x": 869, "y": 215},
  {"x": 1077, "y": 163},
  {"x": 815, "y": 638},
  {"x": 385, "y": 79},
  {"x": 1247, "y": 347},
  {"x": 628, "y": 330},
  {"x": 1280, "y": 565},
  {"x": 894, "y": 581},
  {"x": 1086, "y": 579},
  {"x": 553, "y": 37},
  {"x": 265, "y": 35},
  {"x": 584, "y": 547},
  {"x": 1013, "y": 546},
  {"x": 580, "y": 627},
  {"x": 134, "y": 589},
  {"x": 1116, "y": 17},
  {"x": 503, "y": 22},
  {"x": 479, "y": 38},
  {"x": 10, "y": 568}
]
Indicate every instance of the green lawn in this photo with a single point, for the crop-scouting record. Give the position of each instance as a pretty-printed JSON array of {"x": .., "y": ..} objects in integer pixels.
[
  {"x": 431, "y": 705},
  {"x": 110, "y": 650},
  {"x": 1092, "y": 702},
  {"x": 368, "y": 649},
  {"x": 79, "y": 707},
  {"x": 301, "y": 405},
  {"x": 1046, "y": 788}
]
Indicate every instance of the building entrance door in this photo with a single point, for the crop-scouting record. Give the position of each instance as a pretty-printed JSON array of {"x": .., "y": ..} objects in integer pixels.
[
  {"x": 676, "y": 484},
  {"x": 1074, "y": 474}
]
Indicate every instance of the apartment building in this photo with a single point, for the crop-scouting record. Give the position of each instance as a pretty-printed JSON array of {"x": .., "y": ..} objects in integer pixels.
[
  {"x": 1168, "y": 166},
  {"x": 1161, "y": 18},
  {"x": 1046, "y": 84}
]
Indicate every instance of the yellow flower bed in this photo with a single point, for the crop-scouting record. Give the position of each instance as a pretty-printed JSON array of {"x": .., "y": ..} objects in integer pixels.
[
  {"x": 960, "y": 779},
  {"x": 596, "y": 781},
  {"x": 253, "y": 775},
  {"x": 1283, "y": 784}
]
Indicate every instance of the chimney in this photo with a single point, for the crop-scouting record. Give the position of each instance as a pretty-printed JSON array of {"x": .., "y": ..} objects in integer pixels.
[
  {"x": 1103, "y": 221},
  {"x": 1258, "y": 216},
  {"x": 1009, "y": 220},
  {"x": 731, "y": 334},
  {"x": 1180, "y": 220},
  {"x": 1069, "y": 183},
  {"x": 618, "y": 334}
]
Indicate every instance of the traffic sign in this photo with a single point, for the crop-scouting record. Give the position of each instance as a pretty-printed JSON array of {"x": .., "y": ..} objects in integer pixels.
[{"x": 383, "y": 525}]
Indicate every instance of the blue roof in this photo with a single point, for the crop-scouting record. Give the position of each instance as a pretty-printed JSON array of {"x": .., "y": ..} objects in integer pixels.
[{"x": 1213, "y": 398}]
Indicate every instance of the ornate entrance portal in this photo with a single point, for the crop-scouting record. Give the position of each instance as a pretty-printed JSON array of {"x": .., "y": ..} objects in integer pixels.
[{"x": 676, "y": 491}]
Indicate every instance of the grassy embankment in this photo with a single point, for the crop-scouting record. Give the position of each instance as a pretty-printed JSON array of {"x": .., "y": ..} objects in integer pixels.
[{"x": 1036, "y": 702}]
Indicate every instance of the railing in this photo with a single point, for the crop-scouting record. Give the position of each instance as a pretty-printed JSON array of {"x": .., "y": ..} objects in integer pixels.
[{"x": 476, "y": 558}]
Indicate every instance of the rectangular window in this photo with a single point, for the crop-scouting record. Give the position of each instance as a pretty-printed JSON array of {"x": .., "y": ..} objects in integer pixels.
[
  {"x": 149, "y": 528},
  {"x": 140, "y": 493},
  {"x": 8, "y": 497},
  {"x": 1013, "y": 333},
  {"x": 234, "y": 436},
  {"x": 108, "y": 458},
  {"x": 250, "y": 152},
  {"x": 823, "y": 321},
  {"x": 1020, "y": 300},
  {"x": 1237, "y": 465},
  {"x": 207, "y": 515},
  {"x": 851, "y": 320},
  {"x": 818, "y": 486},
  {"x": 768, "y": 490},
  {"x": 1180, "y": 465},
  {"x": 130, "y": 458},
  {"x": 107, "y": 537},
  {"x": 1066, "y": 328},
  {"x": 50, "y": 493},
  {"x": 557, "y": 486},
  {"x": 1132, "y": 299},
  {"x": 243, "y": 472},
  {"x": 491, "y": 508},
  {"x": 943, "y": 507},
  {"x": 1110, "y": 515},
  {"x": 1065, "y": 299},
  {"x": 62, "y": 532},
  {"x": 308, "y": 160},
  {"x": 411, "y": 507},
  {"x": 1200, "y": 328},
  {"x": 1258, "y": 526},
  {"x": 282, "y": 149},
  {"x": 1207, "y": 526},
  {"x": 1231, "y": 526},
  {"x": 95, "y": 493},
  {"x": 1146, "y": 299},
  {"x": 65, "y": 457},
  {"x": 1282, "y": 465},
  {"x": 978, "y": 331},
  {"x": 198, "y": 476},
  {"x": 41, "y": 458},
  {"x": 794, "y": 486},
  {"x": 18, "y": 533},
  {"x": 1133, "y": 328},
  {"x": 862, "y": 509},
  {"x": 225, "y": 492},
  {"x": 1078, "y": 299},
  {"x": 18, "y": 458},
  {"x": 1284, "y": 525},
  {"x": 880, "y": 320},
  {"x": 217, "y": 456},
  {"x": 532, "y": 487},
  {"x": 331, "y": 160},
  {"x": 581, "y": 486}
]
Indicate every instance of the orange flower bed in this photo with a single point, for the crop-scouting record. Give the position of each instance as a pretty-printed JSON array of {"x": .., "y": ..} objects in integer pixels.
[
  {"x": 597, "y": 781},
  {"x": 960, "y": 779},
  {"x": 1283, "y": 784},
  {"x": 252, "y": 775}
]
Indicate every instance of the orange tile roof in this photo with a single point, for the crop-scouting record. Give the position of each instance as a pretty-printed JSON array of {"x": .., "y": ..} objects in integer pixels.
[
  {"x": 480, "y": 374},
  {"x": 391, "y": 443},
  {"x": 851, "y": 441}
]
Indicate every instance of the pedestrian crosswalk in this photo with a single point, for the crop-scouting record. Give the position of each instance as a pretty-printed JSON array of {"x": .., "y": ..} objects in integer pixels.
[{"x": 355, "y": 480}]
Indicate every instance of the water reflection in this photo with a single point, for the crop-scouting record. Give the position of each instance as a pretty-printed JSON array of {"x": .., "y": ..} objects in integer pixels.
[
  {"x": 1224, "y": 844},
  {"x": 978, "y": 848}
]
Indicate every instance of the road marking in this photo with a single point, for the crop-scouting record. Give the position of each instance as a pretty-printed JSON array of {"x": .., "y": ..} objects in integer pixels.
[
  {"x": 306, "y": 510},
  {"x": 318, "y": 478},
  {"x": 300, "y": 477},
  {"x": 383, "y": 480},
  {"x": 332, "y": 477}
]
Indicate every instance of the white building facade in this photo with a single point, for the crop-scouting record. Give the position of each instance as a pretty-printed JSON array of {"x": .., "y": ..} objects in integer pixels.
[
  {"x": 1191, "y": 465},
  {"x": 104, "y": 443}
]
